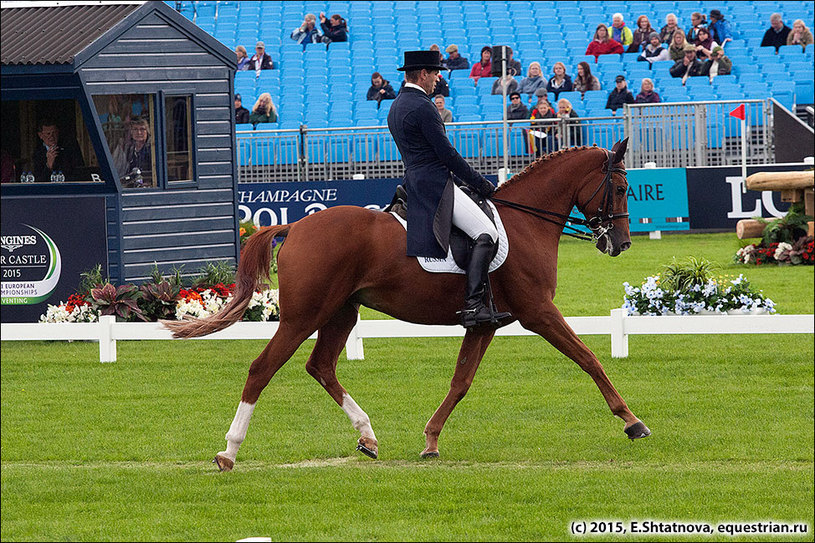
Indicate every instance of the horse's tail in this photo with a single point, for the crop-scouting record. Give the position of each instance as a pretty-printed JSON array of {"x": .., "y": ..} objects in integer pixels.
[{"x": 256, "y": 259}]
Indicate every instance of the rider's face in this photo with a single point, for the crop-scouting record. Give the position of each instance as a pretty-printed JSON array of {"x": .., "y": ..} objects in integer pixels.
[{"x": 428, "y": 80}]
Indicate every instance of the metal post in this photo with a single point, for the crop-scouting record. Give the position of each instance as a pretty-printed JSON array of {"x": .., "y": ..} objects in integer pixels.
[{"x": 504, "y": 108}]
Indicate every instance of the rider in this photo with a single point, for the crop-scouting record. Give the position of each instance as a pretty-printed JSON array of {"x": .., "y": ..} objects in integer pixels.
[{"x": 435, "y": 201}]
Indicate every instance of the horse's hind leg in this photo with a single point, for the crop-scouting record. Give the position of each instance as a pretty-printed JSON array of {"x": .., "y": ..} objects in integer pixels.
[
  {"x": 472, "y": 351},
  {"x": 322, "y": 365},
  {"x": 281, "y": 347}
]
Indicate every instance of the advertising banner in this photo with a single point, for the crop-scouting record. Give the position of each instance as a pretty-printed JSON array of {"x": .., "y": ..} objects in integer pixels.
[
  {"x": 46, "y": 244},
  {"x": 658, "y": 199}
]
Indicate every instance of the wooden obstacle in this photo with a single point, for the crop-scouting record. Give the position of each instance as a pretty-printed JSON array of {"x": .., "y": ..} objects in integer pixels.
[{"x": 794, "y": 187}]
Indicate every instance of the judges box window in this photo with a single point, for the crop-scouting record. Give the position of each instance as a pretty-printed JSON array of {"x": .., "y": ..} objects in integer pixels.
[
  {"x": 128, "y": 121},
  {"x": 177, "y": 115}
]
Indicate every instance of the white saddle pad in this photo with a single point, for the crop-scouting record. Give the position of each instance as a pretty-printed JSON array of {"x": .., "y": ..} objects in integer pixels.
[{"x": 448, "y": 265}]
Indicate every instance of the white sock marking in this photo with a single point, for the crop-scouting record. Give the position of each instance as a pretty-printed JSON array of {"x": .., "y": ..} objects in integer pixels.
[
  {"x": 237, "y": 431},
  {"x": 358, "y": 417}
]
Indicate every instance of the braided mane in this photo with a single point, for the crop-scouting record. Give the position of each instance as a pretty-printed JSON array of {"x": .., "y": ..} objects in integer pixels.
[{"x": 544, "y": 159}]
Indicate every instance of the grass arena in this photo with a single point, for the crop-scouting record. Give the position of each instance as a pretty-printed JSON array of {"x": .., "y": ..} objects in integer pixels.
[{"x": 123, "y": 451}]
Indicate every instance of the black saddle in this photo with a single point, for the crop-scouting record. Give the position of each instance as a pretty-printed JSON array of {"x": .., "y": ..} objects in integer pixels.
[{"x": 461, "y": 245}]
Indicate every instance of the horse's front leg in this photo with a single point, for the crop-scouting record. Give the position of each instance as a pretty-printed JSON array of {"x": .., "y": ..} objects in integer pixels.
[
  {"x": 549, "y": 323},
  {"x": 476, "y": 341}
]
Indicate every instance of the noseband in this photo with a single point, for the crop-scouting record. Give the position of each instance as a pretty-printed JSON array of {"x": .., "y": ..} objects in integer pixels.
[{"x": 599, "y": 224}]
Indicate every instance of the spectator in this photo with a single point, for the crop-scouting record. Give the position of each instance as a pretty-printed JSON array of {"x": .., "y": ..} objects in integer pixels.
[
  {"x": 334, "y": 29},
  {"x": 704, "y": 44},
  {"x": 602, "y": 45},
  {"x": 446, "y": 114},
  {"x": 647, "y": 94},
  {"x": 483, "y": 68},
  {"x": 307, "y": 32},
  {"x": 56, "y": 154},
  {"x": 619, "y": 32},
  {"x": 561, "y": 81},
  {"x": 688, "y": 66},
  {"x": 697, "y": 21},
  {"x": 720, "y": 28},
  {"x": 584, "y": 80},
  {"x": 454, "y": 60},
  {"x": 777, "y": 34},
  {"x": 541, "y": 135},
  {"x": 241, "y": 113},
  {"x": 261, "y": 59},
  {"x": 508, "y": 82},
  {"x": 516, "y": 109},
  {"x": 641, "y": 35},
  {"x": 677, "y": 47},
  {"x": 243, "y": 58},
  {"x": 620, "y": 95},
  {"x": 666, "y": 35},
  {"x": 566, "y": 111},
  {"x": 533, "y": 80},
  {"x": 513, "y": 66},
  {"x": 135, "y": 153},
  {"x": 717, "y": 64},
  {"x": 264, "y": 110},
  {"x": 380, "y": 89},
  {"x": 800, "y": 34},
  {"x": 654, "y": 51}
]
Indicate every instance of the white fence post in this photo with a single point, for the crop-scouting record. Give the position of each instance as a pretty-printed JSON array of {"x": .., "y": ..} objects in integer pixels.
[
  {"x": 107, "y": 342},
  {"x": 353, "y": 345},
  {"x": 619, "y": 339}
]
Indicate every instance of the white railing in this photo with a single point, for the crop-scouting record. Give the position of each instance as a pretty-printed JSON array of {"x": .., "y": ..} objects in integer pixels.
[{"x": 618, "y": 325}]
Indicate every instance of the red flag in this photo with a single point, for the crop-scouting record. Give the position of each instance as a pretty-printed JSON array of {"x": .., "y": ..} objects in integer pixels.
[{"x": 738, "y": 112}]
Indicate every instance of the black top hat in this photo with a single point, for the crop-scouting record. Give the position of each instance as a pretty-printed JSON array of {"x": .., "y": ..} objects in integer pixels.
[{"x": 417, "y": 60}]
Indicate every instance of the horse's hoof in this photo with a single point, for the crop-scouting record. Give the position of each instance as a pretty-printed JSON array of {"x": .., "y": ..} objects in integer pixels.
[
  {"x": 429, "y": 454},
  {"x": 637, "y": 430},
  {"x": 223, "y": 463},
  {"x": 366, "y": 451},
  {"x": 368, "y": 447}
]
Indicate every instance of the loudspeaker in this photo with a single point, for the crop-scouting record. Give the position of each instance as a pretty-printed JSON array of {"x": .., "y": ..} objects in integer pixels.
[{"x": 497, "y": 59}]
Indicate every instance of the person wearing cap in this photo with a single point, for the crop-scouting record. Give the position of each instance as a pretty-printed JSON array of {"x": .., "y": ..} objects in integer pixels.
[
  {"x": 687, "y": 66},
  {"x": 620, "y": 95},
  {"x": 454, "y": 60},
  {"x": 516, "y": 109},
  {"x": 654, "y": 51},
  {"x": 619, "y": 32},
  {"x": 433, "y": 172},
  {"x": 720, "y": 27},
  {"x": 717, "y": 64},
  {"x": 483, "y": 68},
  {"x": 241, "y": 113},
  {"x": 261, "y": 59},
  {"x": 308, "y": 32},
  {"x": 641, "y": 35}
]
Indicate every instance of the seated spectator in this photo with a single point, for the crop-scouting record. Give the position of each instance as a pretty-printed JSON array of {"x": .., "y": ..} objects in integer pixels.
[
  {"x": 720, "y": 28},
  {"x": 654, "y": 51},
  {"x": 620, "y": 95},
  {"x": 561, "y": 81},
  {"x": 334, "y": 29},
  {"x": 261, "y": 59},
  {"x": 135, "y": 153},
  {"x": 585, "y": 81},
  {"x": 483, "y": 68},
  {"x": 516, "y": 109},
  {"x": 619, "y": 32},
  {"x": 777, "y": 34},
  {"x": 513, "y": 66},
  {"x": 666, "y": 35},
  {"x": 704, "y": 44},
  {"x": 688, "y": 65},
  {"x": 800, "y": 34},
  {"x": 697, "y": 21},
  {"x": 243, "y": 58},
  {"x": 677, "y": 48},
  {"x": 264, "y": 110},
  {"x": 647, "y": 94},
  {"x": 307, "y": 32},
  {"x": 541, "y": 135},
  {"x": 55, "y": 154},
  {"x": 533, "y": 80},
  {"x": 717, "y": 64},
  {"x": 641, "y": 35},
  {"x": 241, "y": 113},
  {"x": 380, "y": 89},
  {"x": 507, "y": 82},
  {"x": 454, "y": 60},
  {"x": 446, "y": 114},
  {"x": 602, "y": 44},
  {"x": 566, "y": 111}
]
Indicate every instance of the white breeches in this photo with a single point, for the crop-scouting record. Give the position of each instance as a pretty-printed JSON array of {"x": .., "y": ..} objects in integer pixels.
[{"x": 469, "y": 218}]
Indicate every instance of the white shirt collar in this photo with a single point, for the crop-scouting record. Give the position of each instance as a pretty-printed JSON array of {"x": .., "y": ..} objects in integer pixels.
[{"x": 415, "y": 86}]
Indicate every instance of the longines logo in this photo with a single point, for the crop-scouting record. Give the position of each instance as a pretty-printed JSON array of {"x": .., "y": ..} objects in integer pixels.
[
  {"x": 31, "y": 274},
  {"x": 9, "y": 243}
]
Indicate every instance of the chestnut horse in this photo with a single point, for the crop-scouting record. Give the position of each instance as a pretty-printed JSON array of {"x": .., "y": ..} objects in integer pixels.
[{"x": 338, "y": 259}]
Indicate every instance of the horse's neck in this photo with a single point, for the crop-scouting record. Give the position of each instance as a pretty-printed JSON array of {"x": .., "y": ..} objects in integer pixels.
[{"x": 549, "y": 185}]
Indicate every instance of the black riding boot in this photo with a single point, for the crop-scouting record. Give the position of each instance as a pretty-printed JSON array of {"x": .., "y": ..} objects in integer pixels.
[{"x": 478, "y": 308}]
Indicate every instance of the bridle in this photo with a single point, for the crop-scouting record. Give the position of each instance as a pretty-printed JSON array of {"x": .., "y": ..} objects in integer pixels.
[{"x": 599, "y": 224}]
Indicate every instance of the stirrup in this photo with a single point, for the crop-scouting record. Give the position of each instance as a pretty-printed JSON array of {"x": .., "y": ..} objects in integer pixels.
[{"x": 482, "y": 314}]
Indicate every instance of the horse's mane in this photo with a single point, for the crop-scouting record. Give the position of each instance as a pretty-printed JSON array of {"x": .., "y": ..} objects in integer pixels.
[{"x": 542, "y": 160}]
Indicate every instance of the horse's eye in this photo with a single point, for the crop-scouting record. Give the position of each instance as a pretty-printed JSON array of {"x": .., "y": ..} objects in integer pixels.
[{"x": 621, "y": 191}]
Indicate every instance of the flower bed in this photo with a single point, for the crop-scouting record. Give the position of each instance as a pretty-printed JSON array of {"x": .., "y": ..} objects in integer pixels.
[{"x": 802, "y": 251}]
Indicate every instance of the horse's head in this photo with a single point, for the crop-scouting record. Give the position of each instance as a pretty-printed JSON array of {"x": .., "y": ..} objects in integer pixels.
[{"x": 604, "y": 202}]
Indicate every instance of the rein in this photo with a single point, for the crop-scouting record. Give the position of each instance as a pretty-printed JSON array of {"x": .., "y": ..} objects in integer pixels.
[{"x": 595, "y": 224}]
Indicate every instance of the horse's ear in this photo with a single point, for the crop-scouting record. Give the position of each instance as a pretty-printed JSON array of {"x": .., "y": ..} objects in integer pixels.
[{"x": 619, "y": 150}]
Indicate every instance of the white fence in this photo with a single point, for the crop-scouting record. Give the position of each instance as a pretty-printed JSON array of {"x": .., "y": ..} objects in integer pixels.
[{"x": 618, "y": 325}]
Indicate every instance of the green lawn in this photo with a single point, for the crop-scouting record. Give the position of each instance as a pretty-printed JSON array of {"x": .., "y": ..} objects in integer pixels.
[{"x": 122, "y": 451}]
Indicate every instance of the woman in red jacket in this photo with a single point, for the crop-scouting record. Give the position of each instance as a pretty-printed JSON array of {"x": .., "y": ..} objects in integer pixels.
[
  {"x": 602, "y": 44},
  {"x": 483, "y": 68}
]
